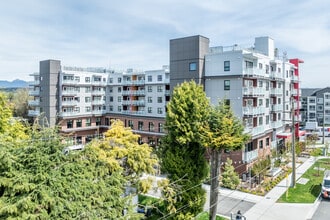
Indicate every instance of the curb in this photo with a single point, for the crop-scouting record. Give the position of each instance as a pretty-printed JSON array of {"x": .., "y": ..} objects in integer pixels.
[{"x": 315, "y": 206}]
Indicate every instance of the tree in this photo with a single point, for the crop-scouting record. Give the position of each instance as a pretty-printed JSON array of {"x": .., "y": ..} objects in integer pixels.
[
  {"x": 229, "y": 178},
  {"x": 38, "y": 181},
  {"x": 122, "y": 152},
  {"x": 11, "y": 129},
  {"x": 222, "y": 131},
  {"x": 20, "y": 103},
  {"x": 182, "y": 153}
]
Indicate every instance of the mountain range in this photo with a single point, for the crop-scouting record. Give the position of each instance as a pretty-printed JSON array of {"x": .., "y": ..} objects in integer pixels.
[{"x": 17, "y": 83}]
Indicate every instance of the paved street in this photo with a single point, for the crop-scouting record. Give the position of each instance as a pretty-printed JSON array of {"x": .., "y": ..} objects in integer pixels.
[{"x": 323, "y": 210}]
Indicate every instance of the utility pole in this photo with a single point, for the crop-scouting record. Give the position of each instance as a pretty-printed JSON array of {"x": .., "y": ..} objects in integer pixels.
[{"x": 293, "y": 176}]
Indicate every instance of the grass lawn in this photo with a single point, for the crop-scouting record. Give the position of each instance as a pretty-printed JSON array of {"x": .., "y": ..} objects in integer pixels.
[{"x": 310, "y": 191}]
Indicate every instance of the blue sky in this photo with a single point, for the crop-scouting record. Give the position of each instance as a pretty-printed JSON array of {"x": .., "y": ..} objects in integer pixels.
[{"x": 136, "y": 33}]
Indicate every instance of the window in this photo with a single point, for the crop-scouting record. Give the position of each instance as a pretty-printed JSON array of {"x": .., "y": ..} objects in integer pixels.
[
  {"x": 260, "y": 102},
  {"x": 77, "y": 78},
  {"x": 119, "y": 80},
  {"x": 87, "y": 79},
  {"x": 69, "y": 124},
  {"x": 149, "y": 88},
  {"x": 260, "y": 65},
  {"x": 160, "y": 128},
  {"x": 87, "y": 109},
  {"x": 140, "y": 125},
  {"x": 227, "y": 102},
  {"x": 261, "y": 142},
  {"x": 227, "y": 84},
  {"x": 149, "y": 109},
  {"x": 110, "y": 108},
  {"x": 160, "y": 99},
  {"x": 87, "y": 99},
  {"x": 260, "y": 83},
  {"x": 267, "y": 119},
  {"x": 260, "y": 121},
  {"x": 159, "y": 78},
  {"x": 78, "y": 123},
  {"x": 159, "y": 110},
  {"x": 119, "y": 89},
  {"x": 192, "y": 66},
  {"x": 130, "y": 124},
  {"x": 110, "y": 90},
  {"x": 159, "y": 89},
  {"x": 119, "y": 108},
  {"x": 88, "y": 122},
  {"x": 267, "y": 86},
  {"x": 119, "y": 98},
  {"x": 149, "y": 99},
  {"x": 98, "y": 121},
  {"x": 267, "y": 103},
  {"x": 111, "y": 98},
  {"x": 149, "y": 78},
  {"x": 111, "y": 80},
  {"x": 267, "y": 141},
  {"x": 151, "y": 126},
  {"x": 226, "y": 65}
]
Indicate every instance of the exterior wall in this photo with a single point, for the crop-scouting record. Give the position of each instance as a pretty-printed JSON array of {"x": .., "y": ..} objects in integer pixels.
[{"x": 183, "y": 52}]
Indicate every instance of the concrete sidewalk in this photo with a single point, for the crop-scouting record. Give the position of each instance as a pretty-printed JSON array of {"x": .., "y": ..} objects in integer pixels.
[{"x": 267, "y": 208}]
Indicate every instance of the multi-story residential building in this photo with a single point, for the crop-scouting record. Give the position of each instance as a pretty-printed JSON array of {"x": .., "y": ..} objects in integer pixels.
[
  {"x": 83, "y": 101},
  {"x": 261, "y": 87},
  {"x": 316, "y": 106}
]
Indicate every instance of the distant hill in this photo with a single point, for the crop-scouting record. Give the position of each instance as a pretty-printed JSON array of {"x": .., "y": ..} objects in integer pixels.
[{"x": 17, "y": 83}]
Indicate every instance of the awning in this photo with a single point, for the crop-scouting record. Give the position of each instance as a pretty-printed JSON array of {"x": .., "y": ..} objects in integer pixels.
[{"x": 289, "y": 134}]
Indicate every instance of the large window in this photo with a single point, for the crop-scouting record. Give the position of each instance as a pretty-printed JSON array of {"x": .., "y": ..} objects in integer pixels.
[
  {"x": 159, "y": 99},
  {"x": 151, "y": 126},
  {"x": 149, "y": 88},
  {"x": 149, "y": 78},
  {"x": 140, "y": 125},
  {"x": 130, "y": 124},
  {"x": 159, "y": 78},
  {"x": 78, "y": 123},
  {"x": 160, "y": 128},
  {"x": 69, "y": 124},
  {"x": 160, "y": 110},
  {"x": 98, "y": 121},
  {"x": 227, "y": 84},
  {"x": 88, "y": 122},
  {"x": 149, "y": 109},
  {"x": 226, "y": 65},
  {"x": 193, "y": 66},
  {"x": 149, "y": 99}
]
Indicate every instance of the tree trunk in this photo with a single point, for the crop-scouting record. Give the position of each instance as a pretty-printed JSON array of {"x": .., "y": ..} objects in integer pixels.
[{"x": 214, "y": 189}]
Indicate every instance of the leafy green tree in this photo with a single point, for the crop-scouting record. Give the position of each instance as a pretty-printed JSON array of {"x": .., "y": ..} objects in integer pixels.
[
  {"x": 11, "y": 129},
  {"x": 39, "y": 181},
  {"x": 121, "y": 152},
  {"x": 182, "y": 153},
  {"x": 20, "y": 103},
  {"x": 223, "y": 131},
  {"x": 229, "y": 178}
]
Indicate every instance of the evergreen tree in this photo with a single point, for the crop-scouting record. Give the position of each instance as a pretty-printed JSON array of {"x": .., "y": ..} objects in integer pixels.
[
  {"x": 229, "y": 178},
  {"x": 182, "y": 153},
  {"x": 223, "y": 131}
]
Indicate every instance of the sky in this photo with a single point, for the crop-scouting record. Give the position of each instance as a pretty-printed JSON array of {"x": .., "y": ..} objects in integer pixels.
[{"x": 135, "y": 33}]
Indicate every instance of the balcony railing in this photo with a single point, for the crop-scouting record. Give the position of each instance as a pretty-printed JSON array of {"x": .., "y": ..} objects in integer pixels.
[
  {"x": 253, "y": 110},
  {"x": 134, "y": 102},
  {"x": 133, "y": 82},
  {"x": 69, "y": 92},
  {"x": 33, "y": 113},
  {"x": 99, "y": 83},
  {"x": 34, "y": 83},
  {"x": 99, "y": 112},
  {"x": 277, "y": 107},
  {"x": 34, "y": 92},
  {"x": 134, "y": 93},
  {"x": 69, "y": 103},
  {"x": 69, "y": 82},
  {"x": 258, "y": 130},
  {"x": 33, "y": 102},
  {"x": 254, "y": 72},
  {"x": 295, "y": 78},
  {"x": 133, "y": 112},
  {"x": 276, "y": 75},
  {"x": 98, "y": 92},
  {"x": 98, "y": 102},
  {"x": 277, "y": 124},
  {"x": 254, "y": 91},
  {"x": 250, "y": 155},
  {"x": 276, "y": 91}
]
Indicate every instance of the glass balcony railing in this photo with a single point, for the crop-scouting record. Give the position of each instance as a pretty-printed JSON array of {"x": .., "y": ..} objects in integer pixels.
[{"x": 250, "y": 155}]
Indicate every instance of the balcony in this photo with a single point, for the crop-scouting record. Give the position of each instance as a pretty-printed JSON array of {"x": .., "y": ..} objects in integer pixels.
[
  {"x": 276, "y": 75},
  {"x": 69, "y": 103},
  {"x": 34, "y": 83},
  {"x": 254, "y": 72},
  {"x": 69, "y": 93},
  {"x": 99, "y": 83},
  {"x": 69, "y": 82},
  {"x": 294, "y": 92},
  {"x": 33, "y": 113},
  {"x": 34, "y": 92},
  {"x": 167, "y": 92},
  {"x": 33, "y": 102},
  {"x": 254, "y": 91},
  {"x": 133, "y": 82},
  {"x": 295, "y": 78},
  {"x": 250, "y": 156},
  {"x": 98, "y": 92},
  {"x": 134, "y": 102},
  {"x": 98, "y": 102},
  {"x": 276, "y": 124},
  {"x": 276, "y": 107},
  {"x": 68, "y": 114},
  {"x": 258, "y": 130},
  {"x": 253, "y": 110},
  {"x": 99, "y": 112},
  {"x": 134, "y": 93},
  {"x": 133, "y": 112},
  {"x": 276, "y": 91}
]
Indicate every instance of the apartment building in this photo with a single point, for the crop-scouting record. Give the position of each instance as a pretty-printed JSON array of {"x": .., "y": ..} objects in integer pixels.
[
  {"x": 316, "y": 106},
  {"x": 83, "y": 101},
  {"x": 261, "y": 87}
]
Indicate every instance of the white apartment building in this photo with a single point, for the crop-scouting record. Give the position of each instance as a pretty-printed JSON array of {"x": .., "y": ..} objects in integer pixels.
[{"x": 83, "y": 101}]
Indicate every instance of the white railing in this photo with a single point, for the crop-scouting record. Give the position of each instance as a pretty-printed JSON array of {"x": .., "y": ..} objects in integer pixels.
[
  {"x": 258, "y": 130},
  {"x": 69, "y": 82},
  {"x": 133, "y": 112},
  {"x": 275, "y": 74},
  {"x": 254, "y": 110},
  {"x": 98, "y": 112},
  {"x": 98, "y": 102},
  {"x": 34, "y": 83},
  {"x": 97, "y": 92},
  {"x": 69, "y": 92},
  {"x": 69, "y": 103},
  {"x": 276, "y": 91},
  {"x": 33, "y": 113},
  {"x": 277, "y": 124},
  {"x": 252, "y": 91},
  {"x": 295, "y": 78},
  {"x": 133, "y": 82},
  {"x": 33, "y": 102},
  {"x": 277, "y": 107},
  {"x": 254, "y": 71},
  {"x": 99, "y": 83},
  {"x": 34, "y": 92},
  {"x": 294, "y": 92},
  {"x": 134, "y": 102},
  {"x": 250, "y": 155}
]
